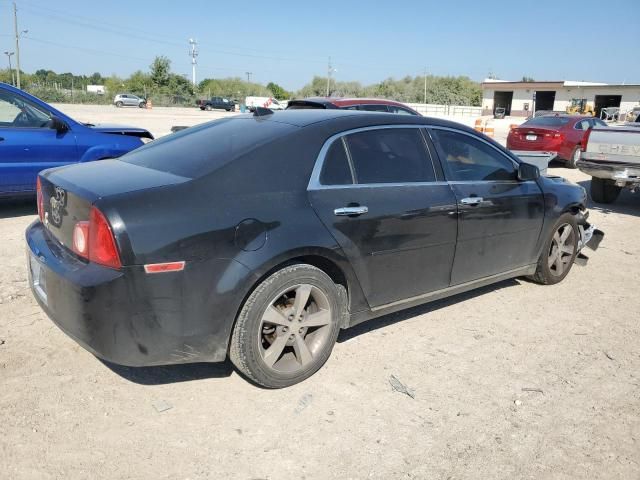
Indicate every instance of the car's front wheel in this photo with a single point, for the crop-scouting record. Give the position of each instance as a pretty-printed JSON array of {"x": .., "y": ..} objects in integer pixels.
[
  {"x": 208, "y": 108},
  {"x": 288, "y": 326},
  {"x": 142, "y": 105},
  {"x": 559, "y": 251}
]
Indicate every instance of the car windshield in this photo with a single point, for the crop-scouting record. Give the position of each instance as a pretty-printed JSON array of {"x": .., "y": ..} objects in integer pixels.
[
  {"x": 198, "y": 151},
  {"x": 546, "y": 122}
]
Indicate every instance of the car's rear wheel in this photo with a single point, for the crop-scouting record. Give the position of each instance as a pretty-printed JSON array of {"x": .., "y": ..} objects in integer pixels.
[
  {"x": 288, "y": 326},
  {"x": 575, "y": 156},
  {"x": 604, "y": 191},
  {"x": 208, "y": 108},
  {"x": 119, "y": 104},
  {"x": 559, "y": 251}
]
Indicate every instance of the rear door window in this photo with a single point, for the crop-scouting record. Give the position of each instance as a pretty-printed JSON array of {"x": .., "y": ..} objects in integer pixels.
[
  {"x": 390, "y": 155},
  {"x": 336, "y": 170},
  {"x": 467, "y": 159}
]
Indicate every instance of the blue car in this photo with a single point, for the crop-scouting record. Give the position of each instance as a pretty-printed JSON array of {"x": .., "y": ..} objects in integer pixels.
[{"x": 35, "y": 136}]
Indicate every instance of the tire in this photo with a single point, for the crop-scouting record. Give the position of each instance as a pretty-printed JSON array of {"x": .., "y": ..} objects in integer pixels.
[
  {"x": 119, "y": 104},
  {"x": 208, "y": 108},
  {"x": 142, "y": 105},
  {"x": 559, "y": 251},
  {"x": 604, "y": 191},
  {"x": 266, "y": 341},
  {"x": 575, "y": 156}
]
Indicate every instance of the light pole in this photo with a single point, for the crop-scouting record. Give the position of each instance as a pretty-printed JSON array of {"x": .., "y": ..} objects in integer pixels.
[
  {"x": 193, "y": 53},
  {"x": 13, "y": 78},
  {"x": 330, "y": 71}
]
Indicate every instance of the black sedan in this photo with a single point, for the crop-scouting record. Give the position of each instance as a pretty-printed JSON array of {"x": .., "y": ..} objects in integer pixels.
[{"x": 259, "y": 237}]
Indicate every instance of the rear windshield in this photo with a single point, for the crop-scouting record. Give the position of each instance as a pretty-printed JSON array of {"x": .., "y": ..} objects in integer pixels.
[
  {"x": 200, "y": 150},
  {"x": 304, "y": 106},
  {"x": 547, "y": 122}
]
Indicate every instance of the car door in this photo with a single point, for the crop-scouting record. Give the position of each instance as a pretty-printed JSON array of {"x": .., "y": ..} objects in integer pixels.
[
  {"x": 28, "y": 144},
  {"x": 499, "y": 217},
  {"x": 378, "y": 193}
]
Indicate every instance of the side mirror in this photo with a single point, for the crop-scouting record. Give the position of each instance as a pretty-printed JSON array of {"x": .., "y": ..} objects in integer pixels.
[
  {"x": 527, "y": 172},
  {"x": 58, "y": 125}
]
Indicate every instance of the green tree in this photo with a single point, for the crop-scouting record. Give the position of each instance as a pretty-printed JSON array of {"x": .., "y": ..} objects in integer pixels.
[
  {"x": 160, "y": 71},
  {"x": 277, "y": 91}
]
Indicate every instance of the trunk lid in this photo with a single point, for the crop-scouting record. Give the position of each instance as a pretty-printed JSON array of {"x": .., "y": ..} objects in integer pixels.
[
  {"x": 536, "y": 137},
  {"x": 69, "y": 192}
]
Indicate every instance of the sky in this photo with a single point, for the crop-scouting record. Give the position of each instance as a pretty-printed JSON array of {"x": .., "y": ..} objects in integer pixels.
[{"x": 289, "y": 42}]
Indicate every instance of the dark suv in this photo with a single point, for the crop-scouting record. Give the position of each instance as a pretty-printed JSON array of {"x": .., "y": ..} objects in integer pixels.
[
  {"x": 219, "y": 103},
  {"x": 365, "y": 104}
]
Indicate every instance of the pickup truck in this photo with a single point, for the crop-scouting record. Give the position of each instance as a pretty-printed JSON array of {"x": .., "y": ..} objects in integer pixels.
[
  {"x": 217, "y": 103},
  {"x": 35, "y": 136},
  {"x": 612, "y": 157}
]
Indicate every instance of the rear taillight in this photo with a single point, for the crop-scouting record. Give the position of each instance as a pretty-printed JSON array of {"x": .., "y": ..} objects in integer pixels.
[
  {"x": 94, "y": 240},
  {"x": 102, "y": 243},
  {"x": 585, "y": 140},
  {"x": 40, "y": 199}
]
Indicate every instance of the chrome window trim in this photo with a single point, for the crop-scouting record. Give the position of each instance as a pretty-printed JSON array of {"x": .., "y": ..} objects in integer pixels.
[{"x": 314, "y": 181}]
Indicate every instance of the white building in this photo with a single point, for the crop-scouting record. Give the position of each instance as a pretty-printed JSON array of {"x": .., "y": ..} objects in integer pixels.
[{"x": 518, "y": 97}]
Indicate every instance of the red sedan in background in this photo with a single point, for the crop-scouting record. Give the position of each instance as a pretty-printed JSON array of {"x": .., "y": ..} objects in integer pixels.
[{"x": 558, "y": 133}]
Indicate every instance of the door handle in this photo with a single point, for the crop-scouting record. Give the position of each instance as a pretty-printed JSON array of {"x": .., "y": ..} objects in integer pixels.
[
  {"x": 350, "y": 211},
  {"x": 471, "y": 201}
]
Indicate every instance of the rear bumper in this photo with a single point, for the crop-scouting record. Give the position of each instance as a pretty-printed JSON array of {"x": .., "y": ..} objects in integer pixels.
[
  {"x": 129, "y": 317},
  {"x": 622, "y": 173}
]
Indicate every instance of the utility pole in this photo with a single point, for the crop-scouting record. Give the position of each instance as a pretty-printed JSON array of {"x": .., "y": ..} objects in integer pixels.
[
  {"x": 13, "y": 78},
  {"x": 193, "y": 53},
  {"x": 15, "y": 28},
  {"x": 330, "y": 71},
  {"x": 425, "y": 86},
  {"x": 249, "y": 76}
]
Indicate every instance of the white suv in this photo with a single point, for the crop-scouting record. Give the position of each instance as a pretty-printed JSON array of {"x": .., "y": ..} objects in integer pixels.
[{"x": 128, "y": 100}]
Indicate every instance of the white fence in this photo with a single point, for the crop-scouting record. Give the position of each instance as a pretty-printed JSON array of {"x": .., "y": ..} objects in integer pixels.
[{"x": 446, "y": 110}]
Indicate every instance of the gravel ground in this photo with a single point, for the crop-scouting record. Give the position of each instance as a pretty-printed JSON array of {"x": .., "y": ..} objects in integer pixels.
[{"x": 512, "y": 381}]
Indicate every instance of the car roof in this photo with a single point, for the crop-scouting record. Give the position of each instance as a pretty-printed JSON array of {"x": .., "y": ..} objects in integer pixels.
[
  {"x": 306, "y": 117},
  {"x": 345, "y": 102}
]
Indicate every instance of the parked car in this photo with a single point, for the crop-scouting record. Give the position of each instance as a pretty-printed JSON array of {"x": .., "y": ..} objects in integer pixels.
[
  {"x": 558, "y": 133},
  {"x": 264, "y": 102},
  {"x": 612, "y": 157},
  {"x": 219, "y": 103},
  {"x": 129, "y": 100},
  {"x": 35, "y": 136},
  {"x": 366, "y": 104},
  {"x": 345, "y": 216}
]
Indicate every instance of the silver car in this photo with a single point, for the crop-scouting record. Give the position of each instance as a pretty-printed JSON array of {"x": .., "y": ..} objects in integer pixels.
[{"x": 129, "y": 100}]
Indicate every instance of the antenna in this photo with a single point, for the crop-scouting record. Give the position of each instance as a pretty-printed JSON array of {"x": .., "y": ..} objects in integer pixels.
[{"x": 193, "y": 53}]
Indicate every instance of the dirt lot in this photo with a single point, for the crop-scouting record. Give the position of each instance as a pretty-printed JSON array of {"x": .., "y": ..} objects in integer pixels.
[{"x": 513, "y": 381}]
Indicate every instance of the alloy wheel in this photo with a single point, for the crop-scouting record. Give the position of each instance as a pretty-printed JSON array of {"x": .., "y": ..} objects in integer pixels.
[
  {"x": 295, "y": 328},
  {"x": 561, "y": 251}
]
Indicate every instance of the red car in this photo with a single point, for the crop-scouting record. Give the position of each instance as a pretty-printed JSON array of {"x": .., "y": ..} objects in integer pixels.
[
  {"x": 558, "y": 133},
  {"x": 367, "y": 104}
]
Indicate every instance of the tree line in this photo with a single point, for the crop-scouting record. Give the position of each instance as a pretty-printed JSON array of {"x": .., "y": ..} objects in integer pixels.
[{"x": 167, "y": 88}]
